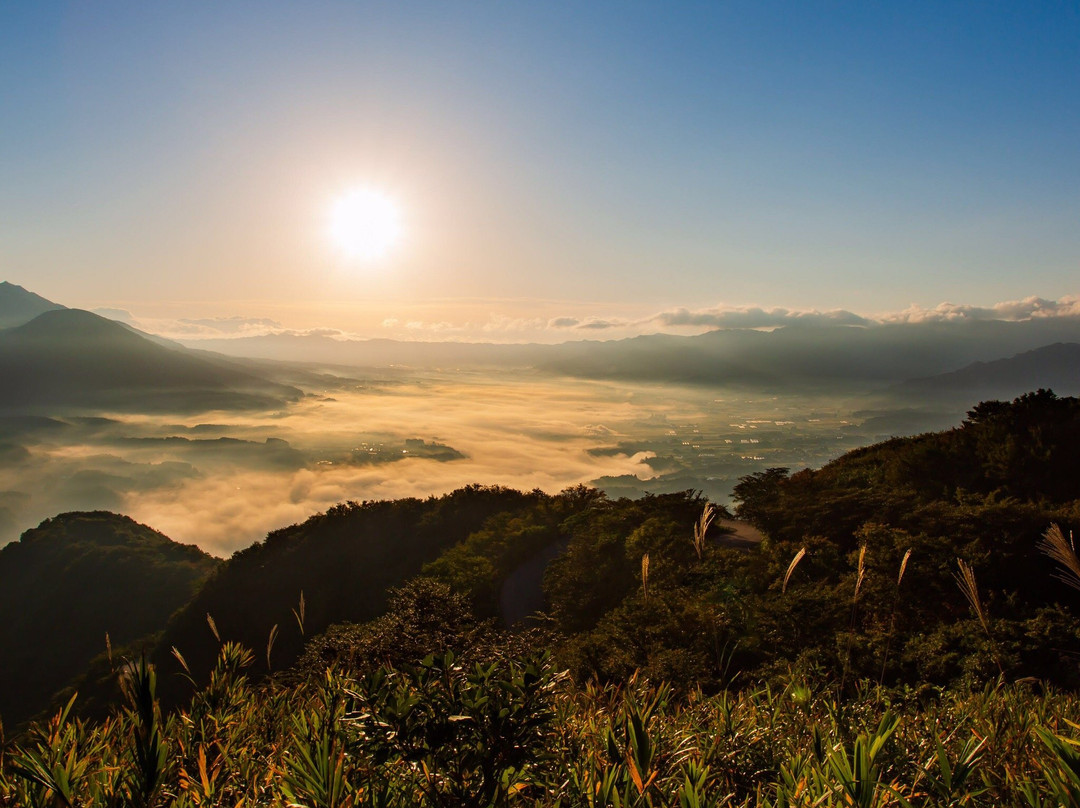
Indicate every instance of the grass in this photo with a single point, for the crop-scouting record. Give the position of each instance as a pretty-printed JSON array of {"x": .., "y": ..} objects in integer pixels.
[
  {"x": 1063, "y": 551},
  {"x": 515, "y": 732}
]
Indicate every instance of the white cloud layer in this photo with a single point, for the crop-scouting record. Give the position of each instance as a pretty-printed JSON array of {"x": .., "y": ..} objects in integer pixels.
[
  {"x": 1030, "y": 308},
  {"x": 757, "y": 317}
]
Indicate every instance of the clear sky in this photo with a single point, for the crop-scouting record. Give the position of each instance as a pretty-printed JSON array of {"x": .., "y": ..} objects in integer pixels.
[{"x": 584, "y": 159}]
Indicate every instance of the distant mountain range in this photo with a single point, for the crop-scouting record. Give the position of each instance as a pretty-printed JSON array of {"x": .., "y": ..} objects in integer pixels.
[
  {"x": 59, "y": 357},
  {"x": 789, "y": 358},
  {"x": 1054, "y": 366},
  {"x": 72, "y": 580},
  {"x": 69, "y": 360}
]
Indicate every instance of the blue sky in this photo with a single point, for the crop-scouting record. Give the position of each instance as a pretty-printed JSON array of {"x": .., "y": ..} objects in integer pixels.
[{"x": 593, "y": 159}]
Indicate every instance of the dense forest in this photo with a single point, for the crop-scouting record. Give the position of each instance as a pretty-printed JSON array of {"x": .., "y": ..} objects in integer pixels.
[
  {"x": 905, "y": 633},
  {"x": 76, "y": 583}
]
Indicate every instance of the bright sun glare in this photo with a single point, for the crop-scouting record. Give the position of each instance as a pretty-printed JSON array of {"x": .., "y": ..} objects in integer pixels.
[{"x": 365, "y": 224}]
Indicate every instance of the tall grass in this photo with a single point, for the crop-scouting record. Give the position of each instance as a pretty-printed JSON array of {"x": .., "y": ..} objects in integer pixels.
[
  {"x": 892, "y": 614},
  {"x": 1063, "y": 551},
  {"x": 701, "y": 527},
  {"x": 969, "y": 586},
  {"x": 791, "y": 568},
  {"x": 517, "y": 733}
]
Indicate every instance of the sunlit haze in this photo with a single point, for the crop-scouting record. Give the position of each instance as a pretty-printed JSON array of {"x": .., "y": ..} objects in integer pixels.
[
  {"x": 551, "y": 163},
  {"x": 397, "y": 248}
]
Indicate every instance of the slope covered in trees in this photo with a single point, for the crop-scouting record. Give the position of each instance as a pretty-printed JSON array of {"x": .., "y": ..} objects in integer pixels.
[
  {"x": 70, "y": 581},
  {"x": 342, "y": 562},
  {"x": 985, "y": 494}
]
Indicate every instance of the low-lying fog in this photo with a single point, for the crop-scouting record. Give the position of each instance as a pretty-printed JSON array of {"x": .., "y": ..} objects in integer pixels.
[{"x": 222, "y": 481}]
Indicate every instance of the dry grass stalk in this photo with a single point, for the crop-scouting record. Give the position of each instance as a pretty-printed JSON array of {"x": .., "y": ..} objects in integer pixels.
[
  {"x": 1063, "y": 551},
  {"x": 859, "y": 578},
  {"x": 862, "y": 571},
  {"x": 213, "y": 626},
  {"x": 645, "y": 576},
  {"x": 970, "y": 587},
  {"x": 702, "y": 527},
  {"x": 270, "y": 645},
  {"x": 299, "y": 614},
  {"x": 892, "y": 615},
  {"x": 791, "y": 568},
  {"x": 903, "y": 567},
  {"x": 180, "y": 658}
]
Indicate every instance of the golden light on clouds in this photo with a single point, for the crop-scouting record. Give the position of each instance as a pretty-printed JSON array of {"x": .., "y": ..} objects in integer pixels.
[{"x": 365, "y": 224}]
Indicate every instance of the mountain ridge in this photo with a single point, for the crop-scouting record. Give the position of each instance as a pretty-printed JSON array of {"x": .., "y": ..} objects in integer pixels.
[
  {"x": 789, "y": 357},
  {"x": 19, "y": 305},
  {"x": 73, "y": 359},
  {"x": 1054, "y": 366}
]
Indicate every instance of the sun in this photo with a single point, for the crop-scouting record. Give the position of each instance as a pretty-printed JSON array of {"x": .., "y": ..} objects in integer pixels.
[{"x": 365, "y": 224}]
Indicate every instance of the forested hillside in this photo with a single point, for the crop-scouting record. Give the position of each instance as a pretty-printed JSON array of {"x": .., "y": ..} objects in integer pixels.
[{"x": 71, "y": 581}]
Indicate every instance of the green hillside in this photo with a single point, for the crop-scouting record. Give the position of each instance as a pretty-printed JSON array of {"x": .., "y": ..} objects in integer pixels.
[
  {"x": 70, "y": 581},
  {"x": 343, "y": 561}
]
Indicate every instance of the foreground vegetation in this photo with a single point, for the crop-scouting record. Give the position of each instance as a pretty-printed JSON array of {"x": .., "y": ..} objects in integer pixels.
[
  {"x": 511, "y": 731},
  {"x": 906, "y": 634}
]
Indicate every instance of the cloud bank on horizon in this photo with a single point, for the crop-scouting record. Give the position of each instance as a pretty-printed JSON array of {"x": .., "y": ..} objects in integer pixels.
[{"x": 561, "y": 327}]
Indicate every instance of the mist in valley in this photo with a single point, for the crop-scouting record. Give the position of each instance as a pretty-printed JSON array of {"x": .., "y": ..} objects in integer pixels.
[{"x": 223, "y": 479}]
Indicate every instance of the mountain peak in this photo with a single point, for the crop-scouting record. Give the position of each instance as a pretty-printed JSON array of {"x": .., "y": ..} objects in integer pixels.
[
  {"x": 72, "y": 360},
  {"x": 63, "y": 322},
  {"x": 18, "y": 306}
]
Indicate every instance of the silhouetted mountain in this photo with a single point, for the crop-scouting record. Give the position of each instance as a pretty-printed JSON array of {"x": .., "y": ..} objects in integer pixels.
[
  {"x": 823, "y": 357},
  {"x": 18, "y": 306},
  {"x": 72, "y": 359},
  {"x": 1054, "y": 366},
  {"x": 71, "y": 580},
  {"x": 801, "y": 356}
]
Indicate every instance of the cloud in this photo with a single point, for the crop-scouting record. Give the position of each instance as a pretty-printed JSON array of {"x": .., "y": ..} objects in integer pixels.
[
  {"x": 550, "y": 326},
  {"x": 120, "y": 315},
  {"x": 334, "y": 333},
  {"x": 598, "y": 430},
  {"x": 600, "y": 324},
  {"x": 1029, "y": 308},
  {"x": 756, "y": 317},
  {"x": 224, "y": 326}
]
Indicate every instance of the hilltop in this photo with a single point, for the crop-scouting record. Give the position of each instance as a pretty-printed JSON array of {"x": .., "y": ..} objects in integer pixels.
[{"x": 71, "y": 581}]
